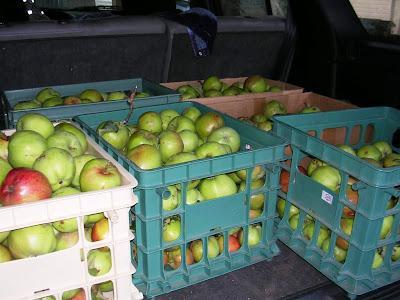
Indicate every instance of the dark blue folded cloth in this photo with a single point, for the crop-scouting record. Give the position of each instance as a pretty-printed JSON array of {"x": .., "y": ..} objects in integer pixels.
[{"x": 201, "y": 25}]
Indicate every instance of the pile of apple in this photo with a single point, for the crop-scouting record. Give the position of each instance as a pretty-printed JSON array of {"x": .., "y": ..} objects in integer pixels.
[
  {"x": 214, "y": 87},
  {"x": 331, "y": 178},
  {"x": 40, "y": 161},
  {"x": 49, "y": 97},
  {"x": 272, "y": 108},
  {"x": 215, "y": 246}
]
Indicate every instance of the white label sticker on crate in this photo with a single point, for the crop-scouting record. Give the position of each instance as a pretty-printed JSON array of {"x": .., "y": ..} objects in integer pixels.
[{"x": 327, "y": 197}]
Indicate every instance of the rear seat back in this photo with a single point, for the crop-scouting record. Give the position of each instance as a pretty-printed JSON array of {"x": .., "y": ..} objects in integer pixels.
[
  {"x": 242, "y": 47},
  {"x": 45, "y": 53}
]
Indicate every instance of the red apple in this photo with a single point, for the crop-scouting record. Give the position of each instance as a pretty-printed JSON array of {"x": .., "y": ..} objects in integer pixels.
[
  {"x": 352, "y": 196},
  {"x": 24, "y": 185},
  {"x": 284, "y": 180},
  {"x": 234, "y": 244},
  {"x": 100, "y": 230}
]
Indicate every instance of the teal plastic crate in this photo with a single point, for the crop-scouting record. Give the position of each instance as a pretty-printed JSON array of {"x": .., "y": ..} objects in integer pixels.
[
  {"x": 158, "y": 95},
  {"x": 199, "y": 220},
  {"x": 308, "y": 136}
]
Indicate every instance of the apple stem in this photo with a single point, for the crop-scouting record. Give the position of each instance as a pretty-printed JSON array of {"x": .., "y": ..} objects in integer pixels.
[{"x": 130, "y": 101}]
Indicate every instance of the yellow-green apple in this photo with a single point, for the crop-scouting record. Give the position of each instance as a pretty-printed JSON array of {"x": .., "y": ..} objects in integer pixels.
[
  {"x": 32, "y": 241},
  {"x": 66, "y": 225},
  {"x": 231, "y": 91},
  {"x": 172, "y": 201},
  {"x": 314, "y": 164},
  {"x": 274, "y": 89},
  {"x": 255, "y": 84},
  {"x": 35, "y": 122},
  {"x": 226, "y": 135},
  {"x": 212, "y": 83},
  {"x": 235, "y": 178},
  {"x": 217, "y": 186},
  {"x": 347, "y": 149},
  {"x": 174, "y": 258},
  {"x": 150, "y": 121},
  {"x": 384, "y": 147},
  {"x": 258, "y": 172},
  {"x": 75, "y": 294},
  {"x": 80, "y": 161},
  {"x": 347, "y": 226},
  {"x": 4, "y": 139},
  {"x": 187, "y": 92},
  {"x": 91, "y": 94},
  {"x": 373, "y": 162},
  {"x": 274, "y": 107},
  {"x": 255, "y": 213},
  {"x": 65, "y": 191},
  {"x": 99, "y": 261},
  {"x": 166, "y": 116},
  {"x": 224, "y": 86},
  {"x": 257, "y": 200},
  {"x": 193, "y": 196},
  {"x": 66, "y": 240},
  {"x": 170, "y": 143},
  {"x": 23, "y": 185},
  {"x": 369, "y": 151},
  {"x": 208, "y": 122},
  {"x": 116, "y": 95},
  {"x": 212, "y": 93},
  {"x": 106, "y": 286},
  {"x": 378, "y": 261},
  {"x": 145, "y": 156},
  {"x": 65, "y": 140},
  {"x": 247, "y": 121},
  {"x": 391, "y": 160},
  {"x": 191, "y": 112},
  {"x": 142, "y": 95},
  {"x": 93, "y": 218},
  {"x": 24, "y": 147},
  {"x": 141, "y": 137},
  {"x": 386, "y": 227},
  {"x": 181, "y": 158},
  {"x": 210, "y": 149},
  {"x": 238, "y": 84},
  {"x": 71, "y": 100},
  {"x": 47, "y": 93},
  {"x": 53, "y": 101},
  {"x": 308, "y": 232},
  {"x": 396, "y": 253},
  {"x": 258, "y": 118},
  {"x": 26, "y": 105},
  {"x": 75, "y": 130},
  {"x": 190, "y": 140},
  {"x": 115, "y": 133},
  {"x": 327, "y": 176},
  {"x": 171, "y": 228},
  {"x": 58, "y": 166},
  {"x": 100, "y": 230},
  {"x": 180, "y": 123},
  {"x": 338, "y": 253},
  {"x": 280, "y": 207},
  {"x": 294, "y": 221},
  {"x": 266, "y": 126},
  {"x": 213, "y": 247},
  {"x": 5, "y": 254},
  {"x": 254, "y": 235},
  {"x": 98, "y": 174},
  {"x": 5, "y": 167},
  {"x": 4, "y": 236},
  {"x": 309, "y": 109}
]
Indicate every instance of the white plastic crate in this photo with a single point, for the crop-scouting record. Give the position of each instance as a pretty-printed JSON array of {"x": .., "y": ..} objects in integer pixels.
[{"x": 61, "y": 271}]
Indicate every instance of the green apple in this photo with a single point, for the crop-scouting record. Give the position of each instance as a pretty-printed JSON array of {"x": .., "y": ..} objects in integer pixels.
[
  {"x": 99, "y": 261},
  {"x": 141, "y": 137},
  {"x": 86, "y": 100},
  {"x": 255, "y": 84},
  {"x": 226, "y": 135},
  {"x": 257, "y": 200},
  {"x": 274, "y": 107},
  {"x": 4, "y": 236},
  {"x": 5, "y": 254},
  {"x": 58, "y": 165},
  {"x": 373, "y": 162},
  {"x": 80, "y": 161},
  {"x": 347, "y": 149},
  {"x": 91, "y": 94},
  {"x": 66, "y": 240},
  {"x": 25, "y": 147},
  {"x": 369, "y": 151},
  {"x": 274, "y": 89},
  {"x": 190, "y": 140},
  {"x": 193, "y": 196},
  {"x": 314, "y": 164},
  {"x": 338, "y": 253},
  {"x": 75, "y": 130},
  {"x": 217, "y": 186},
  {"x": 191, "y": 112},
  {"x": 266, "y": 126},
  {"x": 116, "y": 95},
  {"x": 172, "y": 201},
  {"x": 115, "y": 133},
  {"x": 180, "y": 123},
  {"x": 171, "y": 228},
  {"x": 224, "y": 86},
  {"x": 212, "y": 83},
  {"x": 327, "y": 176},
  {"x": 98, "y": 174},
  {"x": 258, "y": 118},
  {"x": 35, "y": 122},
  {"x": 189, "y": 95},
  {"x": 53, "y": 101},
  {"x": 65, "y": 140},
  {"x": 308, "y": 232},
  {"x": 212, "y": 93},
  {"x": 378, "y": 261},
  {"x": 47, "y": 93},
  {"x": 170, "y": 143},
  {"x": 308, "y": 109},
  {"x": 4, "y": 139},
  {"x": 181, "y": 158},
  {"x": 145, "y": 156},
  {"x": 25, "y": 105},
  {"x": 238, "y": 84},
  {"x": 210, "y": 149},
  {"x": 391, "y": 160},
  {"x": 166, "y": 116},
  {"x": 213, "y": 247},
  {"x": 208, "y": 122},
  {"x": 254, "y": 235},
  {"x": 150, "y": 121},
  {"x": 142, "y": 95},
  {"x": 384, "y": 147},
  {"x": 231, "y": 92},
  {"x": 65, "y": 191},
  {"x": 347, "y": 226},
  {"x": 386, "y": 227},
  {"x": 5, "y": 167},
  {"x": 280, "y": 207}
]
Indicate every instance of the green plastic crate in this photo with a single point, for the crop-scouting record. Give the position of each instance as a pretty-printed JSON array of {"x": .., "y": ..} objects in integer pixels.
[
  {"x": 375, "y": 187},
  {"x": 200, "y": 220},
  {"x": 158, "y": 95}
]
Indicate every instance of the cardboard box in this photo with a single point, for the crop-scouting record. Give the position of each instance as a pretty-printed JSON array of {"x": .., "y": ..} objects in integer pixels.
[{"x": 287, "y": 89}]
